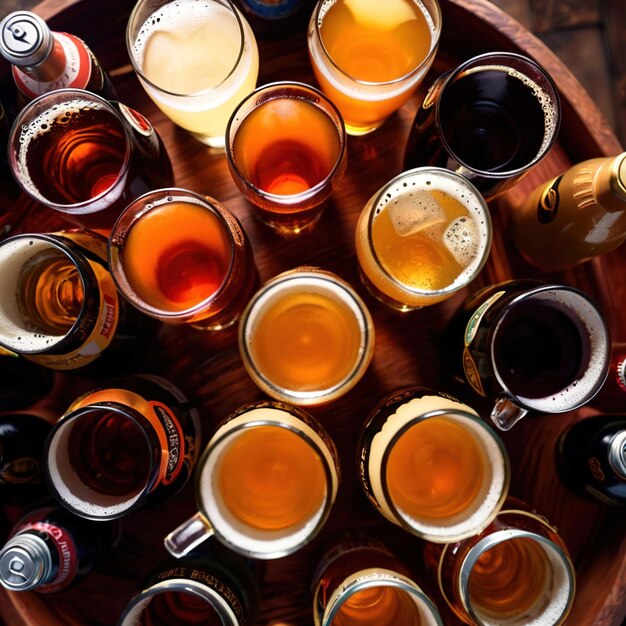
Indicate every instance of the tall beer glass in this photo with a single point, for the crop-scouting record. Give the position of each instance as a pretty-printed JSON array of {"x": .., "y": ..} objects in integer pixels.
[
  {"x": 369, "y": 57},
  {"x": 422, "y": 237},
  {"x": 196, "y": 60}
]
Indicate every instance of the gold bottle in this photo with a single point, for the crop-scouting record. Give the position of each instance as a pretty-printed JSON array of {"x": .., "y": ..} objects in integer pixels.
[{"x": 574, "y": 217}]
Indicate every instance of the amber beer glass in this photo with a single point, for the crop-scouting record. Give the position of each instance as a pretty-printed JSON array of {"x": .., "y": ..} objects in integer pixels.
[
  {"x": 369, "y": 57},
  {"x": 423, "y": 236},
  {"x": 182, "y": 258},
  {"x": 359, "y": 582},
  {"x": 59, "y": 306},
  {"x": 216, "y": 589},
  {"x": 86, "y": 157},
  {"x": 265, "y": 483},
  {"x": 286, "y": 149},
  {"x": 129, "y": 444},
  {"x": 515, "y": 572},
  {"x": 306, "y": 337},
  {"x": 429, "y": 464}
]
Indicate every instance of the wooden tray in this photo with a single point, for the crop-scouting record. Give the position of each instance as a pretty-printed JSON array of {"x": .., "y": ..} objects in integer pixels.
[{"x": 208, "y": 366}]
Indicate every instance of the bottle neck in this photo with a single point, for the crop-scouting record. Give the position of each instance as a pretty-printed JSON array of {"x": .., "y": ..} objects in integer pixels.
[
  {"x": 610, "y": 184},
  {"x": 25, "y": 562},
  {"x": 51, "y": 67}
]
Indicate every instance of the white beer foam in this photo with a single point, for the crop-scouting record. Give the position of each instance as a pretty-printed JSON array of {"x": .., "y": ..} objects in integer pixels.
[
  {"x": 415, "y": 213},
  {"x": 461, "y": 239}
]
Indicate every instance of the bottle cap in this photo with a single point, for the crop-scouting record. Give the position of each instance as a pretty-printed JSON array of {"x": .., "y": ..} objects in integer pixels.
[
  {"x": 25, "y": 561},
  {"x": 617, "y": 454},
  {"x": 25, "y": 39},
  {"x": 618, "y": 179}
]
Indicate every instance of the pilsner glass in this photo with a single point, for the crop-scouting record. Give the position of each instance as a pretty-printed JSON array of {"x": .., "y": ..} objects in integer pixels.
[
  {"x": 369, "y": 57},
  {"x": 306, "y": 337},
  {"x": 183, "y": 258},
  {"x": 359, "y": 582},
  {"x": 429, "y": 464},
  {"x": 196, "y": 60},
  {"x": 423, "y": 236},
  {"x": 286, "y": 149},
  {"x": 514, "y": 573},
  {"x": 265, "y": 483}
]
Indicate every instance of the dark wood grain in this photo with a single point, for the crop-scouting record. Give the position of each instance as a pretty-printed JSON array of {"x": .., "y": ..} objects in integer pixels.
[{"x": 208, "y": 368}]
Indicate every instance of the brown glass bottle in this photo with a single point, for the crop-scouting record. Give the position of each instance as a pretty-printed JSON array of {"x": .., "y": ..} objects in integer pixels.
[
  {"x": 43, "y": 60},
  {"x": 574, "y": 217}
]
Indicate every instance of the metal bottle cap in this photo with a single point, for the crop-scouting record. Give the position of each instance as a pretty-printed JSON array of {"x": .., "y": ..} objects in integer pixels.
[
  {"x": 617, "y": 454},
  {"x": 25, "y": 561},
  {"x": 618, "y": 180},
  {"x": 25, "y": 39}
]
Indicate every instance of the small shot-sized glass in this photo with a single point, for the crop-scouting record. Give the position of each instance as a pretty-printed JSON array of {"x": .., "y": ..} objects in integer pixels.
[
  {"x": 431, "y": 465},
  {"x": 86, "y": 157},
  {"x": 265, "y": 484},
  {"x": 422, "y": 237},
  {"x": 516, "y": 572},
  {"x": 122, "y": 447},
  {"x": 529, "y": 347},
  {"x": 219, "y": 588},
  {"x": 491, "y": 119},
  {"x": 306, "y": 337},
  {"x": 286, "y": 149},
  {"x": 359, "y": 582},
  {"x": 183, "y": 258}
]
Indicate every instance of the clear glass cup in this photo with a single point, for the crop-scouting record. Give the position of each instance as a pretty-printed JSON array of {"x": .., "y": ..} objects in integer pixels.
[{"x": 196, "y": 60}]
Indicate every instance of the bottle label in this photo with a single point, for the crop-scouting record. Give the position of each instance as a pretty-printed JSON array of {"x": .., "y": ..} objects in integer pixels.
[
  {"x": 272, "y": 9},
  {"x": 548, "y": 204},
  {"x": 76, "y": 74}
]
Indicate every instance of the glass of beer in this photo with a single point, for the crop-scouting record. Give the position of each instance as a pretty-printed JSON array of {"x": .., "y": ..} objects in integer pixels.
[
  {"x": 219, "y": 588},
  {"x": 85, "y": 157},
  {"x": 265, "y": 483},
  {"x": 370, "y": 57},
  {"x": 422, "y": 237},
  {"x": 286, "y": 149},
  {"x": 306, "y": 337},
  {"x": 183, "y": 258},
  {"x": 528, "y": 346},
  {"x": 490, "y": 119},
  {"x": 130, "y": 444},
  {"x": 429, "y": 464},
  {"x": 359, "y": 582},
  {"x": 196, "y": 60},
  {"x": 515, "y": 572}
]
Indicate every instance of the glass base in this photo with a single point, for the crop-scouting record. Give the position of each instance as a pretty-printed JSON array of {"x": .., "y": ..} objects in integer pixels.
[
  {"x": 384, "y": 298},
  {"x": 216, "y": 143},
  {"x": 359, "y": 131}
]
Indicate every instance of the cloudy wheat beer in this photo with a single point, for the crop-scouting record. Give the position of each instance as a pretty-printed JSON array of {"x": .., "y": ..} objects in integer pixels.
[
  {"x": 127, "y": 445},
  {"x": 429, "y": 464},
  {"x": 306, "y": 337},
  {"x": 514, "y": 573},
  {"x": 265, "y": 485},
  {"x": 423, "y": 236},
  {"x": 360, "y": 583}
]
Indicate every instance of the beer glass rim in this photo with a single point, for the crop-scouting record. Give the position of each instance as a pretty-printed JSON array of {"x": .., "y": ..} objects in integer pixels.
[
  {"x": 483, "y": 250},
  {"x": 434, "y": 12},
  {"x": 120, "y": 409},
  {"x": 500, "y": 536},
  {"x": 84, "y": 271},
  {"x": 183, "y": 585},
  {"x": 302, "y": 91},
  {"x": 384, "y": 577},
  {"x": 601, "y": 326},
  {"x": 132, "y": 213},
  {"x": 331, "y": 474},
  {"x": 36, "y": 107},
  {"x": 506, "y": 470},
  {"x": 504, "y": 57},
  {"x": 132, "y": 28},
  {"x": 308, "y": 274}
]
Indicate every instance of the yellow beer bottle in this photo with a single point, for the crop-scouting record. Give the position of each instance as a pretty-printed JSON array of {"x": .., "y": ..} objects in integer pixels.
[{"x": 575, "y": 216}]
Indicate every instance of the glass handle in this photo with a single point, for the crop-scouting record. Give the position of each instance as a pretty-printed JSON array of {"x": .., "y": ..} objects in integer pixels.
[
  {"x": 505, "y": 413},
  {"x": 188, "y": 535}
]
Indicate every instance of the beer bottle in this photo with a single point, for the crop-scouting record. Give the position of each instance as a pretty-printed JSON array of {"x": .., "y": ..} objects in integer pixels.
[
  {"x": 43, "y": 60},
  {"x": 22, "y": 383},
  {"x": 22, "y": 438},
  {"x": 575, "y": 216},
  {"x": 50, "y": 548},
  {"x": 591, "y": 458},
  {"x": 276, "y": 19}
]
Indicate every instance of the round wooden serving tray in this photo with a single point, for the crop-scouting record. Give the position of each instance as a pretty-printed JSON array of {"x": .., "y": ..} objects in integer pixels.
[{"x": 207, "y": 366}]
